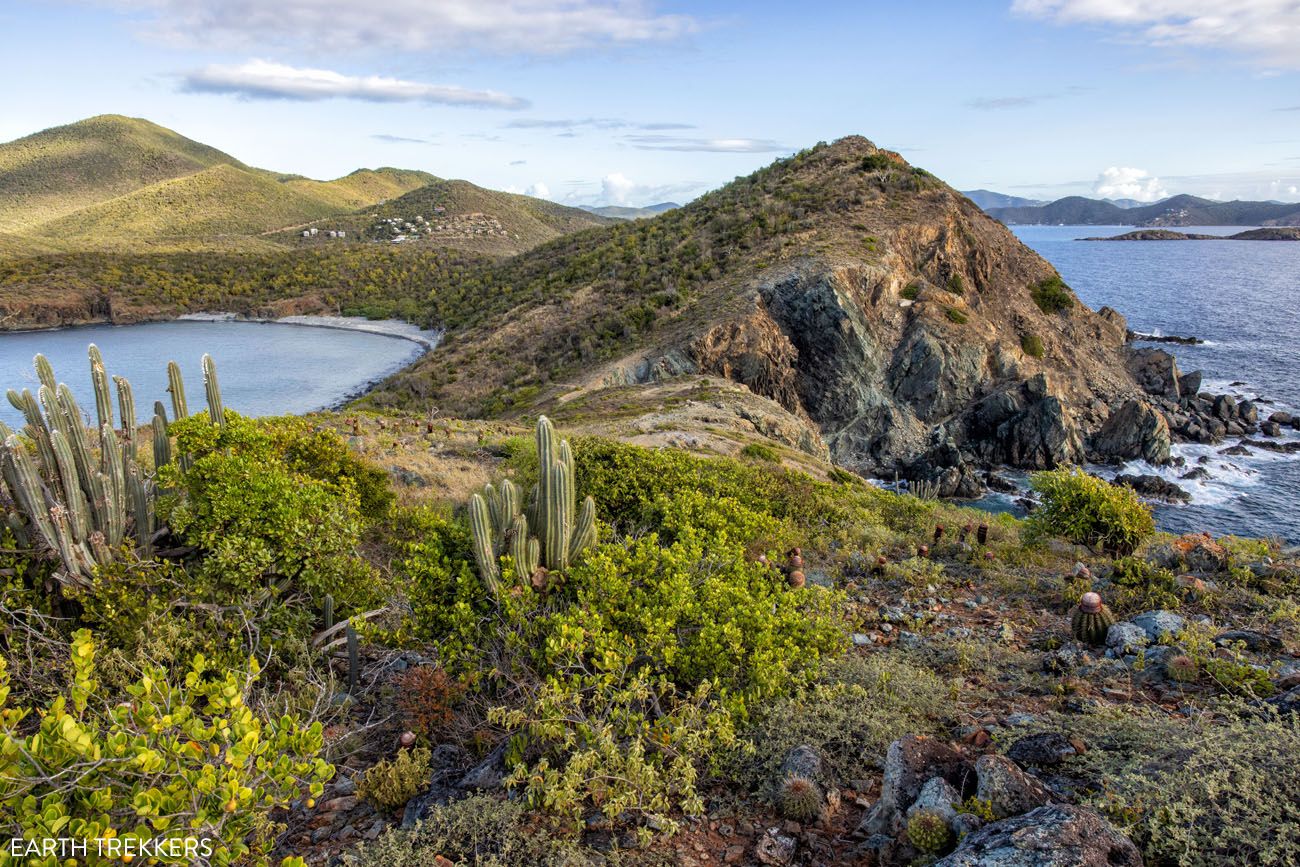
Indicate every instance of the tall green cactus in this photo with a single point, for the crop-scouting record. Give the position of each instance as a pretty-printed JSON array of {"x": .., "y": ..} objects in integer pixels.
[
  {"x": 176, "y": 388},
  {"x": 126, "y": 407},
  {"x": 216, "y": 412},
  {"x": 80, "y": 503},
  {"x": 99, "y": 378},
  {"x": 162, "y": 444},
  {"x": 499, "y": 526}
]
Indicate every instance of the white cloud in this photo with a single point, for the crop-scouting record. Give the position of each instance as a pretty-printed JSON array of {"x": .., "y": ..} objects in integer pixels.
[
  {"x": 1293, "y": 190},
  {"x": 532, "y": 27},
  {"x": 706, "y": 145},
  {"x": 538, "y": 190},
  {"x": 261, "y": 79},
  {"x": 616, "y": 188},
  {"x": 1129, "y": 183},
  {"x": 1266, "y": 30}
]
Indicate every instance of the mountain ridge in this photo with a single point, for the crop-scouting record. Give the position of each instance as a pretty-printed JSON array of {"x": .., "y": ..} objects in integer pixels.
[{"x": 1179, "y": 210}]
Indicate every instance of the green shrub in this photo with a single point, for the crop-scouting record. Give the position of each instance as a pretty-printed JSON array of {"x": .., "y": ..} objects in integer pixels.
[
  {"x": 390, "y": 783},
  {"x": 634, "y": 669},
  {"x": 1142, "y": 586},
  {"x": 912, "y": 292},
  {"x": 1032, "y": 345},
  {"x": 1089, "y": 511},
  {"x": 1210, "y": 793},
  {"x": 1052, "y": 295},
  {"x": 761, "y": 452},
  {"x": 480, "y": 830},
  {"x": 956, "y": 285},
  {"x": 264, "y": 528},
  {"x": 850, "y": 716},
  {"x": 176, "y": 760},
  {"x": 955, "y": 315},
  {"x": 876, "y": 162}
]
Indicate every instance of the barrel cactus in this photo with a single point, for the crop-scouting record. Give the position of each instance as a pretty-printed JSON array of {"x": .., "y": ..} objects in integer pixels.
[
  {"x": 928, "y": 832},
  {"x": 1091, "y": 620},
  {"x": 800, "y": 799}
]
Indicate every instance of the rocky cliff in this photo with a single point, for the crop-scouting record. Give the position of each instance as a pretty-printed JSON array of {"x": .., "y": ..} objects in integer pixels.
[{"x": 917, "y": 334}]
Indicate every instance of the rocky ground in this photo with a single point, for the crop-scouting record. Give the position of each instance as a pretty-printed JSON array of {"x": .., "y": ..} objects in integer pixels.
[{"x": 1009, "y": 762}]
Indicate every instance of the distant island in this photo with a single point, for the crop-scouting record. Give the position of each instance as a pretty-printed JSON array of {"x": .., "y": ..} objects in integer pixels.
[
  {"x": 1175, "y": 211},
  {"x": 1272, "y": 233}
]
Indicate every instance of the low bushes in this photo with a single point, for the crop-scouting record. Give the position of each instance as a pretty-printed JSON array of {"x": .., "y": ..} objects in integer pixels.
[
  {"x": 1089, "y": 511},
  {"x": 183, "y": 757}
]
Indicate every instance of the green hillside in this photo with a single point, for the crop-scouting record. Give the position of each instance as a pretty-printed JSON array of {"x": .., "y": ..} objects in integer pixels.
[
  {"x": 55, "y": 172},
  {"x": 222, "y": 200},
  {"x": 363, "y": 187}
]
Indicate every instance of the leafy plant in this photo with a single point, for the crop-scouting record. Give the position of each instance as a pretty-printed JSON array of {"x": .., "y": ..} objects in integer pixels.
[
  {"x": 1051, "y": 294},
  {"x": 956, "y": 285},
  {"x": 1089, "y": 511},
  {"x": 761, "y": 452},
  {"x": 1032, "y": 345},
  {"x": 955, "y": 315},
  {"x": 176, "y": 760},
  {"x": 390, "y": 783}
]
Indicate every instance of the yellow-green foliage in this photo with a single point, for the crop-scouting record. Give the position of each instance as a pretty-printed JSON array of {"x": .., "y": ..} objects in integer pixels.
[
  {"x": 850, "y": 716},
  {"x": 1141, "y": 586},
  {"x": 175, "y": 760},
  {"x": 1032, "y": 345},
  {"x": 1089, "y": 511},
  {"x": 57, "y": 171},
  {"x": 390, "y": 783},
  {"x": 424, "y": 286},
  {"x": 638, "y": 665},
  {"x": 761, "y": 452},
  {"x": 481, "y": 830},
  {"x": 955, "y": 315}
]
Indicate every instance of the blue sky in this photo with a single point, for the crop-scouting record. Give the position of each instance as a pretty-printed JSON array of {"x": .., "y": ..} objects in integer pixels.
[{"x": 607, "y": 101}]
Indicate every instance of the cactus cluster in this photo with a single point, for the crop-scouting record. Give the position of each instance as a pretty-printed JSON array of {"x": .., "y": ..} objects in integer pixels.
[
  {"x": 928, "y": 831},
  {"x": 78, "y": 491},
  {"x": 500, "y": 524},
  {"x": 800, "y": 799},
  {"x": 1091, "y": 620}
]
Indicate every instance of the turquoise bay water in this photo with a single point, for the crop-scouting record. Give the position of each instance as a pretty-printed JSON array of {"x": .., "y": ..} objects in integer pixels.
[
  {"x": 1242, "y": 298},
  {"x": 264, "y": 368}
]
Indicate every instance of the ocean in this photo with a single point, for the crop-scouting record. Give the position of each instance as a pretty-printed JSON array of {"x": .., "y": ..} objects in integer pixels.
[{"x": 1242, "y": 298}]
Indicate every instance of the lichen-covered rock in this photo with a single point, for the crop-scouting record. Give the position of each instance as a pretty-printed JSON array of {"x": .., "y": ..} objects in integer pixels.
[
  {"x": 1125, "y": 637},
  {"x": 1159, "y": 626},
  {"x": 937, "y": 796},
  {"x": 1045, "y": 749},
  {"x": 910, "y": 763},
  {"x": 1008, "y": 790},
  {"x": 1058, "y": 835}
]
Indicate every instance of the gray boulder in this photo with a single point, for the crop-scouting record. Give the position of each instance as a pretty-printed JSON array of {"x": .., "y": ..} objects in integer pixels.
[
  {"x": 1136, "y": 430},
  {"x": 1008, "y": 790},
  {"x": 910, "y": 763},
  {"x": 1059, "y": 835},
  {"x": 1125, "y": 637},
  {"x": 1160, "y": 626}
]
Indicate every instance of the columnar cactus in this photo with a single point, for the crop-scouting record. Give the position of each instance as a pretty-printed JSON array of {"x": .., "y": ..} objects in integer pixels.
[
  {"x": 500, "y": 525},
  {"x": 126, "y": 408},
  {"x": 216, "y": 412},
  {"x": 176, "y": 388},
  {"x": 99, "y": 378},
  {"x": 1091, "y": 620},
  {"x": 80, "y": 503},
  {"x": 162, "y": 444}
]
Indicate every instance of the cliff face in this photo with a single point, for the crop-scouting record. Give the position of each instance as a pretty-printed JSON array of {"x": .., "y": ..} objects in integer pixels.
[{"x": 915, "y": 332}]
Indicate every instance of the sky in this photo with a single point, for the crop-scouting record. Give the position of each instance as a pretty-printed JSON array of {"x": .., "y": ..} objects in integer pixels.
[{"x": 633, "y": 102}]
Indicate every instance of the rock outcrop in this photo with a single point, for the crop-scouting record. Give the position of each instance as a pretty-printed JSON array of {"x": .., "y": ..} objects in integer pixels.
[{"x": 1058, "y": 835}]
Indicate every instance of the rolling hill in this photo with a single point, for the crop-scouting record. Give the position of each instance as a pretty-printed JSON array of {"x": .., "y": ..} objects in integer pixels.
[
  {"x": 988, "y": 199},
  {"x": 1180, "y": 210},
  {"x": 61, "y": 170},
  {"x": 119, "y": 183}
]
